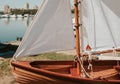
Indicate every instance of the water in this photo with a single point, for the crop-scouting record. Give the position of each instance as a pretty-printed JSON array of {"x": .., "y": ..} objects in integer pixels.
[{"x": 11, "y": 28}]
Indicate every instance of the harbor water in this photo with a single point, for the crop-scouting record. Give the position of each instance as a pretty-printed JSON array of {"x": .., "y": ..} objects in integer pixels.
[{"x": 13, "y": 28}]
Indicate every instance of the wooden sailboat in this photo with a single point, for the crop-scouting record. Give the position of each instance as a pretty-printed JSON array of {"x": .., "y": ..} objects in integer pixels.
[{"x": 54, "y": 22}]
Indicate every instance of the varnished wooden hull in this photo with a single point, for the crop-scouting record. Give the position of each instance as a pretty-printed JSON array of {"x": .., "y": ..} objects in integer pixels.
[{"x": 61, "y": 72}]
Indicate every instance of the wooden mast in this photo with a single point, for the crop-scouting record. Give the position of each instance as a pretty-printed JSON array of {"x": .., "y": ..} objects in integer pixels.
[{"x": 76, "y": 11}]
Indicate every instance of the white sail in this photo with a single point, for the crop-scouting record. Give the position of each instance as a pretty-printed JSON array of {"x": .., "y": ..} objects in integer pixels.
[
  {"x": 101, "y": 24},
  {"x": 50, "y": 31}
]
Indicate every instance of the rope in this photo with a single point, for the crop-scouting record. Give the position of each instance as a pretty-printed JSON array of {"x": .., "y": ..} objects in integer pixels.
[
  {"x": 84, "y": 73},
  {"x": 90, "y": 61}
]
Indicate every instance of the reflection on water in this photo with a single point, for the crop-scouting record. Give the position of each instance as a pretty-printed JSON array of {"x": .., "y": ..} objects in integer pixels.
[
  {"x": 7, "y": 21},
  {"x": 11, "y": 28}
]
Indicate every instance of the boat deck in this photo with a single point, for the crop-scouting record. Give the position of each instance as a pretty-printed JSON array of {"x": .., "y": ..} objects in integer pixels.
[{"x": 104, "y": 73}]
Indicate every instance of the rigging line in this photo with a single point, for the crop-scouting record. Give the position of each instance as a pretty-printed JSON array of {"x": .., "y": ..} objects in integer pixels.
[
  {"x": 95, "y": 36},
  {"x": 111, "y": 33},
  {"x": 90, "y": 61},
  {"x": 83, "y": 69},
  {"x": 81, "y": 24}
]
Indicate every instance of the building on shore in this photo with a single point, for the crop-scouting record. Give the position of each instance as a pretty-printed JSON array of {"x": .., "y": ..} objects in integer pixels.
[
  {"x": 7, "y": 9},
  {"x": 26, "y": 6}
]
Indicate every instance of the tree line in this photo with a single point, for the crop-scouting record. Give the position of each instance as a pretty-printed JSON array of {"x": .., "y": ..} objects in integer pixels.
[
  {"x": 21, "y": 11},
  {"x": 24, "y": 11}
]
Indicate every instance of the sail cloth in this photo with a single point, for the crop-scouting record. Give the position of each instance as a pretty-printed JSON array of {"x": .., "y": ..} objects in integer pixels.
[
  {"x": 50, "y": 31},
  {"x": 101, "y": 24}
]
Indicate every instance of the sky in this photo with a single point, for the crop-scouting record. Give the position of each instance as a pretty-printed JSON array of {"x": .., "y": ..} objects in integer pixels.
[{"x": 19, "y": 3}]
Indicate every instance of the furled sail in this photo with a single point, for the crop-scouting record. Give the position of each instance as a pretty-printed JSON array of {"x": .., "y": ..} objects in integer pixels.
[
  {"x": 50, "y": 31},
  {"x": 101, "y": 24}
]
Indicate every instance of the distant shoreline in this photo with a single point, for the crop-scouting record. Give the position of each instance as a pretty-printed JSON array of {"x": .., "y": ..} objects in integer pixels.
[{"x": 16, "y": 43}]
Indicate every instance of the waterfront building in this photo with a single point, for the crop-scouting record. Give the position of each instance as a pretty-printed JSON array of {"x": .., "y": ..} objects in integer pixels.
[
  {"x": 26, "y": 6},
  {"x": 7, "y": 9}
]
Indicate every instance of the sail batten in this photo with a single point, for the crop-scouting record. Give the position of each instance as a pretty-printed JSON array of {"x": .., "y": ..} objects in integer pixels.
[{"x": 51, "y": 30}]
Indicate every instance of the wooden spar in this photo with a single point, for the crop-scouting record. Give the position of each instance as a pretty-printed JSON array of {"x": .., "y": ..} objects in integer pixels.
[
  {"x": 101, "y": 52},
  {"x": 77, "y": 35}
]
